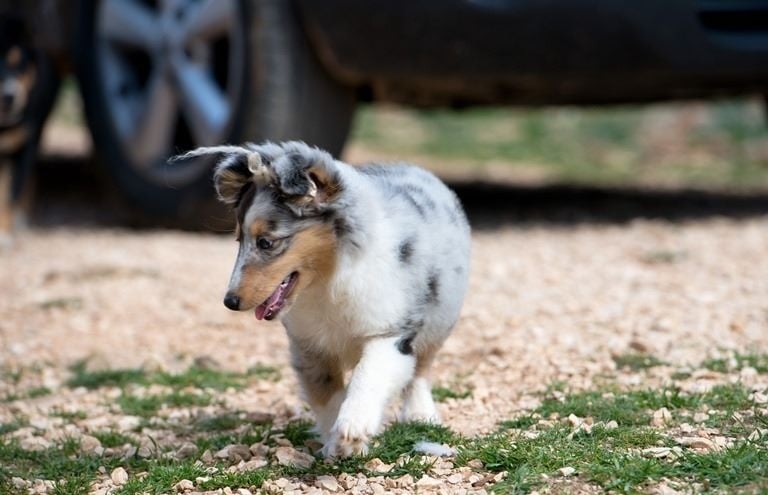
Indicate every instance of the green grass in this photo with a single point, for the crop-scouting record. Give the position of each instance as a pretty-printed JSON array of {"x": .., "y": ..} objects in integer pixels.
[
  {"x": 112, "y": 438},
  {"x": 737, "y": 362},
  {"x": 527, "y": 459},
  {"x": 194, "y": 376},
  {"x": 221, "y": 422},
  {"x": 215, "y": 441},
  {"x": 531, "y": 448},
  {"x": 663, "y": 257},
  {"x": 38, "y": 392},
  {"x": 635, "y": 408},
  {"x": 630, "y": 409},
  {"x": 161, "y": 476},
  {"x": 264, "y": 372},
  {"x": 81, "y": 377},
  {"x": 32, "y": 393},
  {"x": 526, "y": 449},
  {"x": 441, "y": 394},
  {"x": 298, "y": 432},
  {"x": 636, "y": 361},
  {"x": 250, "y": 479},
  {"x": 148, "y": 406},
  {"x": 60, "y": 462},
  {"x": 400, "y": 438},
  {"x": 389, "y": 446},
  {"x": 12, "y": 375},
  {"x": 201, "y": 378},
  {"x": 62, "y": 303},
  {"x": 74, "y": 484},
  {"x": 70, "y": 416},
  {"x": 610, "y": 458},
  {"x": 13, "y": 425},
  {"x": 718, "y": 144}
]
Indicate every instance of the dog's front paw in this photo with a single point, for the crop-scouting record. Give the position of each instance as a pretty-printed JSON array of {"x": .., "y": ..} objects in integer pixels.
[{"x": 350, "y": 437}]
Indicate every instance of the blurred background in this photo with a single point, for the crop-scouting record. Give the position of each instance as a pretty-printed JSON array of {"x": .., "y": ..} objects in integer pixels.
[
  {"x": 716, "y": 145},
  {"x": 660, "y": 96}
]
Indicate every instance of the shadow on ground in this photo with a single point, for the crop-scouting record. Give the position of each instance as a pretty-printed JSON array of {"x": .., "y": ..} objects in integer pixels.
[{"x": 73, "y": 192}]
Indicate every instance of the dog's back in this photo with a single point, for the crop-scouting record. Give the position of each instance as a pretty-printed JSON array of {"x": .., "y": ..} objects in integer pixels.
[{"x": 430, "y": 241}]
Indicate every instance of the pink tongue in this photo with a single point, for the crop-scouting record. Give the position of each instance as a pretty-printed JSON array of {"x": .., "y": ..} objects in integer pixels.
[{"x": 272, "y": 305}]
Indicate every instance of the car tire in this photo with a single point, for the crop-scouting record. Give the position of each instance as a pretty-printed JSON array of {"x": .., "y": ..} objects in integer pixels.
[{"x": 279, "y": 91}]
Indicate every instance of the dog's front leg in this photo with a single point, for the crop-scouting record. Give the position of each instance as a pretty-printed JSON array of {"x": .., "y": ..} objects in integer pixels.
[
  {"x": 322, "y": 383},
  {"x": 382, "y": 372}
]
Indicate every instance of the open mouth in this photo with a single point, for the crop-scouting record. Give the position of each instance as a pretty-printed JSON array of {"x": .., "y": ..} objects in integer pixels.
[{"x": 269, "y": 309}]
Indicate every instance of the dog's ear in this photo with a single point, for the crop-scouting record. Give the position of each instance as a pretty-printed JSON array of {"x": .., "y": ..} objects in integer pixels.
[
  {"x": 308, "y": 179},
  {"x": 230, "y": 178},
  {"x": 327, "y": 183},
  {"x": 239, "y": 167}
]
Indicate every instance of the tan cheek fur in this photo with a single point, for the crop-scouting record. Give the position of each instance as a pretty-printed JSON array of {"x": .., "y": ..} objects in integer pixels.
[{"x": 312, "y": 253}]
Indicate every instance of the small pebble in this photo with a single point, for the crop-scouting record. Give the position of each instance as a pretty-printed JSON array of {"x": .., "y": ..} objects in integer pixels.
[
  {"x": 288, "y": 456},
  {"x": 327, "y": 483},
  {"x": 187, "y": 450},
  {"x": 427, "y": 481},
  {"x": 700, "y": 417},
  {"x": 567, "y": 471},
  {"x": 697, "y": 443},
  {"x": 378, "y": 466},
  {"x": 183, "y": 485},
  {"x": 119, "y": 476},
  {"x": 656, "y": 452},
  {"x": 661, "y": 417}
]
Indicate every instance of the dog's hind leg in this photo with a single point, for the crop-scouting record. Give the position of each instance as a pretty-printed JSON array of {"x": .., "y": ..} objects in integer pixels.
[
  {"x": 418, "y": 404},
  {"x": 382, "y": 372},
  {"x": 322, "y": 383}
]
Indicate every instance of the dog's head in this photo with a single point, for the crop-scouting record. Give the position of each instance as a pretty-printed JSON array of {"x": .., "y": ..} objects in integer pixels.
[
  {"x": 17, "y": 70},
  {"x": 281, "y": 199}
]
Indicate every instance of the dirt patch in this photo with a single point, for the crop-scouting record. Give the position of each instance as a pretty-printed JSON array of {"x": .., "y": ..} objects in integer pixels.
[{"x": 547, "y": 305}]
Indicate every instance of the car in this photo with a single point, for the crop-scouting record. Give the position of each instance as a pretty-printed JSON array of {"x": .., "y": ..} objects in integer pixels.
[{"x": 161, "y": 77}]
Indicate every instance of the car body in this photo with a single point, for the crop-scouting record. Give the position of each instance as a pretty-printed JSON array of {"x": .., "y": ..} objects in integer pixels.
[{"x": 542, "y": 52}]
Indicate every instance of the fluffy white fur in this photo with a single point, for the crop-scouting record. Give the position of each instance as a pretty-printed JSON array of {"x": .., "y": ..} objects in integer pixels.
[{"x": 402, "y": 261}]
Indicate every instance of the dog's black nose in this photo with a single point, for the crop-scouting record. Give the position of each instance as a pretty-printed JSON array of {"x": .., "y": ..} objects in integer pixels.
[{"x": 232, "y": 301}]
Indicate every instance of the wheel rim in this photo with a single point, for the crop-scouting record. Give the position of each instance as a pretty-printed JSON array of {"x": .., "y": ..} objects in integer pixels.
[{"x": 171, "y": 72}]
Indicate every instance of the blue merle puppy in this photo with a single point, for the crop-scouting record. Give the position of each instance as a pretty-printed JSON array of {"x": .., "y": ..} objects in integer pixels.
[{"x": 366, "y": 267}]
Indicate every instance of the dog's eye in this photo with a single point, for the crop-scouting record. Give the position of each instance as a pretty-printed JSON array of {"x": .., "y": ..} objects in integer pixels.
[{"x": 263, "y": 243}]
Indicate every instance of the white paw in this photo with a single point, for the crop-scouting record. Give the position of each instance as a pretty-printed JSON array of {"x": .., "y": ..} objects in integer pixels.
[
  {"x": 423, "y": 416},
  {"x": 350, "y": 437},
  {"x": 420, "y": 407}
]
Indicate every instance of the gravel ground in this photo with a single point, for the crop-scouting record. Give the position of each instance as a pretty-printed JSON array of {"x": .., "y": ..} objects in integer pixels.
[{"x": 547, "y": 304}]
